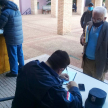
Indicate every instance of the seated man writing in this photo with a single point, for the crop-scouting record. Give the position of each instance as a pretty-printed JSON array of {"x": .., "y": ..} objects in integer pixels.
[{"x": 39, "y": 85}]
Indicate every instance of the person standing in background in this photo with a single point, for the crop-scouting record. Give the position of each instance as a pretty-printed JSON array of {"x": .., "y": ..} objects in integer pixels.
[
  {"x": 11, "y": 22},
  {"x": 75, "y": 7},
  {"x": 87, "y": 16}
]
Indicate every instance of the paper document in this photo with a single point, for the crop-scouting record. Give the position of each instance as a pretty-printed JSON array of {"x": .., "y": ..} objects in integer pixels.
[
  {"x": 86, "y": 34},
  {"x": 1, "y": 31},
  {"x": 71, "y": 74}
]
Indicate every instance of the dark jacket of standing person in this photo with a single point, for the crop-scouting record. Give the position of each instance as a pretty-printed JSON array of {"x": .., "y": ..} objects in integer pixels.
[
  {"x": 39, "y": 86},
  {"x": 11, "y": 22},
  {"x": 87, "y": 16}
]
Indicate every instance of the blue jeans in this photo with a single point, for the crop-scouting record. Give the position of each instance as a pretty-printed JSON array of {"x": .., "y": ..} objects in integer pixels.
[{"x": 15, "y": 54}]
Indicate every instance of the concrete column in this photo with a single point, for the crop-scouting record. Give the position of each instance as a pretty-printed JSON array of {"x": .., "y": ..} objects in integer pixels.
[
  {"x": 80, "y": 6},
  {"x": 106, "y": 4},
  {"x": 54, "y": 8},
  {"x": 33, "y": 7},
  {"x": 98, "y": 3},
  {"x": 93, "y": 1},
  {"x": 16, "y": 2},
  {"x": 12, "y": 0},
  {"x": 64, "y": 16}
]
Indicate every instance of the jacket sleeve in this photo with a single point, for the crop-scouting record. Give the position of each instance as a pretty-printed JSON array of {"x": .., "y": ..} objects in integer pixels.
[
  {"x": 65, "y": 99},
  {"x": 107, "y": 53},
  {"x": 77, "y": 98},
  {"x": 82, "y": 19},
  {"x": 106, "y": 68},
  {"x": 3, "y": 19},
  {"x": 107, "y": 44}
]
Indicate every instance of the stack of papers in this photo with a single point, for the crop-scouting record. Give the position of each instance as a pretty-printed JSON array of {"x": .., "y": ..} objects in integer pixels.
[
  {"x": 86, "y": 34},
  {"x": 1, "y": 31},
  {"x": 71, "y": 74}
]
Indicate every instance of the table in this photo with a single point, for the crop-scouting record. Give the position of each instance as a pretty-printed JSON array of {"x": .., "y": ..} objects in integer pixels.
[
  {"x": 89, "y": 83},
  {"x": 4, "y": 60}
]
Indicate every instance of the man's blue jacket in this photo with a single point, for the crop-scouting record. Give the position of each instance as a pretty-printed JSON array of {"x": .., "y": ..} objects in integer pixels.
[
  {"x": 11, "y": 22},
  {"x": 38, "y": 86}
]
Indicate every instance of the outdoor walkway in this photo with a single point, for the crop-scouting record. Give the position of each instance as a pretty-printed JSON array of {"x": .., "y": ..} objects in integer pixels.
[{"x": 40, "y": 37}]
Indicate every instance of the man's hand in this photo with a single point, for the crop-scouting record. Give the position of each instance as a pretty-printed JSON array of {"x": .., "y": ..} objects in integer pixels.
[
  {"x": 71, "y": 84},
  {"x": 64, "y": 76},
  {"x": 83, "y": 41}
]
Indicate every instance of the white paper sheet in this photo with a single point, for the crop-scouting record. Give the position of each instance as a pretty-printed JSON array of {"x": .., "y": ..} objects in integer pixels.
[
  {"x": 71, "y": 74},
  {"x": 1, "y": 31}
]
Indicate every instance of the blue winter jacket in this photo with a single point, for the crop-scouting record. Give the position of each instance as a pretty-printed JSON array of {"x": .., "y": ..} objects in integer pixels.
[
  {"x": 11, "y": 22},
  {"x": 38, "y": 86}
]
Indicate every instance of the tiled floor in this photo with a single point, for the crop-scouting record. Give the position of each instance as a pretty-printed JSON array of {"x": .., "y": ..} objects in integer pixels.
[{"x": 40, "y": 37}]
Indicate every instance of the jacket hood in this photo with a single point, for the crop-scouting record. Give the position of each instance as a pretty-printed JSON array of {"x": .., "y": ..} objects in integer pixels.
[{"x": 11, "y": 5}]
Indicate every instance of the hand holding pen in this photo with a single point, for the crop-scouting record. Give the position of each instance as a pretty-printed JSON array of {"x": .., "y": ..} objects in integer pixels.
[
  {"x": 72, "y": 84},
  {"x": 64, "y": 76}
]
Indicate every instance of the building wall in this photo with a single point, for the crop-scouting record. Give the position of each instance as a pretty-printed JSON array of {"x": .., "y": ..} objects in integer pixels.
[
  {"x": 86, "y": 4},
  {"x": 42, "y": 3},
  {"x": 24, "y": 5}
]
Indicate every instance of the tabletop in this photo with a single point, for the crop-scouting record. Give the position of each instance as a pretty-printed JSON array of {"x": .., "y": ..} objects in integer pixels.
[{"x": 89, "y": 83}]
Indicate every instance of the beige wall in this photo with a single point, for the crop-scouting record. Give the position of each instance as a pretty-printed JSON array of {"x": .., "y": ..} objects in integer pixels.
[
  {"x": 80, "y": 6},
  {"x": 93, "y": 1},
  {"x": 64, "y": 16},
  {"x": 97, "y": 2},
  {"x": 106, "y": 4},
  {"x": 12, "y": 0}
]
